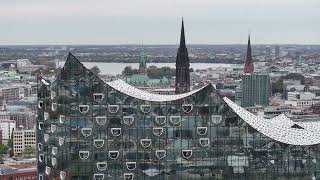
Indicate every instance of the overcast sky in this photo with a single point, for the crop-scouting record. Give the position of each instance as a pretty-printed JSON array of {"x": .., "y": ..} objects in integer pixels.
[{"x": 158, "y": 21}]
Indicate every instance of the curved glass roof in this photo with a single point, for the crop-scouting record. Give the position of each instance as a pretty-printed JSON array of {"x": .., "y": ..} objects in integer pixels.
[
  {"x": 129, "y": 90},
  {"x": 280, "y": 128}
]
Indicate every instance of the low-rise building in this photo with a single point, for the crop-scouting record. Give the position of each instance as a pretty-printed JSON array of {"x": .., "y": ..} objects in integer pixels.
[
  {"x": 18, "y": 173},
  {"x": 22, "y": 140}
]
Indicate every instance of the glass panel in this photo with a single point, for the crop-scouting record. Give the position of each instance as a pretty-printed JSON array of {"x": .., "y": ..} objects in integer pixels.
[
  {"x": 187, "y": 154},
  {"x": 202, "y": 130},
  {"x": 86, "y": 132},
  {"x": 84, "y": 155},
  {"x": 131, "y": 165},
  {"x": 145, "y": 108},
  {"x": 63, "y": 175},
  {"x": 113, "y": 108},
  {"x": 128, "y": 176},
  {"x": 83, "y": 109},
  {"x": 187, "y": 108},
  {"x": 98, "y": 176},
  {"x": 62, "y": 119},
  {"x": 161, "y": 154},
  {"x": 157, "y": 131},
  {"x": 161, "y": 120},
  {"x": 45, "y": 115},
  {"x": 98, "y": 143},
  {"x": 101, "y": 166},
  {"x": 145, "y": 142},
  {"x": 98, "y": 97},
  {"x": 113, "y": 154},
  {"x": 101, "y": 120},
  {"x": 175, "y": 120},
  {"x": 54, "y": 106},
  {"x": 116, "y": 131},
  {"x": 128, "y": 120},
  {"x": 48, "y": 170}
]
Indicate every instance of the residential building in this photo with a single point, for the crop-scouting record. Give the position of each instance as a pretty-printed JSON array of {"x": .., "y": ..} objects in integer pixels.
[
  {"x": 23, "y": 139},
  {"x": 7, "y": 127}
]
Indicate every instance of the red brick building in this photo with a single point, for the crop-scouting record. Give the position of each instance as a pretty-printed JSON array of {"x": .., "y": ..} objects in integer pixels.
[{"x": 23, "y": 171}]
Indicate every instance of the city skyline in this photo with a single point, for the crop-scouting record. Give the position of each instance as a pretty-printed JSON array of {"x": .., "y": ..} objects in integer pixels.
[{"x": 157, "y": 22}]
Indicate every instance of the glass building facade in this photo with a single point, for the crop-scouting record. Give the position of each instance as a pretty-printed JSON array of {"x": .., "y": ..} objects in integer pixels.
[{"x": 90, "y": 129}]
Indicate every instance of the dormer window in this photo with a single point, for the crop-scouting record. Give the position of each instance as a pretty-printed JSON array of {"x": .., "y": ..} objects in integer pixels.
[{"x": 98, "y": 97}]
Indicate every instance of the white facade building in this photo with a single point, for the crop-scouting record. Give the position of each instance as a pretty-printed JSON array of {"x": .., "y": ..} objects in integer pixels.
[
  {"x": 23, "y": 139},
  {"x": 7, "y": 126}
]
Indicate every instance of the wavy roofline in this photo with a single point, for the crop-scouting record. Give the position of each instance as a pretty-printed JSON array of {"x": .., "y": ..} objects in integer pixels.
[{"x": 278, "y": 128}]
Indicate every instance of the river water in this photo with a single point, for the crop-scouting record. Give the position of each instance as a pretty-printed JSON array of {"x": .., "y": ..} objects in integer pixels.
[{"x": 117, "y": 68}]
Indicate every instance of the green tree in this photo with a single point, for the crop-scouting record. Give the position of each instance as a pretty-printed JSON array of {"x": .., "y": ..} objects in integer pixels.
[
  {"x": 29, "y": 152},
  {"x": 95, "y": 70},
  {"x": 127, "y": 71},
  {"x": 3, "y": 151}
]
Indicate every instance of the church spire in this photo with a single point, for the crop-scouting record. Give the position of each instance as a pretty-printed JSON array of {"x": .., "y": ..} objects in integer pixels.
[
  {"x": 142, "y": 62},
  {"x": 182, "y": 36},
  {"x": 248, "y": 67},
  {"x": 182, "y": 65}
]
